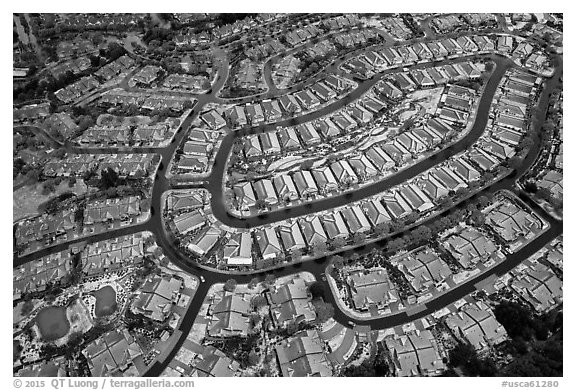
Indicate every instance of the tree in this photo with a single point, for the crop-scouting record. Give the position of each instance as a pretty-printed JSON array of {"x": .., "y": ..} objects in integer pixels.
[
  {"x": 270, "y": 280},
  {"x": 515, "y": 318},
  {"x": 338, "y": 262},
  {"x": 531, "y": 187},
  {"x": 259, "y": 301},
  {"x": 27, "y": 308},
  {"x": 338, "y": 243},
  {"x": 109, "y": 178},
  {"x": 477, "y": 218},
  {"x": 253, "y": 283},
  {"x": 382, "y": 229},
  {"x": 230, "y": 285},
  {"x": 253, "y": 358},
  {"x": 317, "y": 290},
  {"x": 396, "y": 244},
  {"x": 319, "y": 248},
  {"x": 324, "y": 311},
  {"x": 261, "y": 204},
  {"x": 296, "y": 255},
  {"x": 359, "y": 238}
]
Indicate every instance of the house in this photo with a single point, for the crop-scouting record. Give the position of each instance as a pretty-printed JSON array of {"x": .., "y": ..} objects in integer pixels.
[
  {"x": 291, "y": 236},
  {"x": 270, "y": 143},
  {"x": 290, "y": 303},
  {"x": 463, "y": 169},
  {"x": 448, "y": 178},
  {"x": 371, "y": 289},
  {"x": 245, "y": 195},
  {"x": 396, "y": 205},
  {"x": 381, "y": 160},
  {"x": 363, "y": 167},
  {"x": 397, "y": 152},
  {"x": 265, "y": 191},
  {"x": 423, "y": 269},
  {"x": 307, "y": 100},
  {"x": 305, "y": 184},
  {"x": 415, "y": 354},
  {"x": 389, "y": 90},
  {"x": 512, "y": 223},
  {"x": 538, "y": 286},
  {"x": 432, "y": 187},
  {"x": 285, "y": 188},
  {"x": 344, "y": 173},
  {"x": 360, "y": 114},
  {"x": 213, "y": 119},
  {"x": 308, "y": 134},
  {"x": 437, "y": 49},
  {"x": 355, "y": 219},
  {"x": 228, "y": 315},
  {"x": 288, "y": 139},
  {"x": 204, "y": 241},
  {"x": 344, "y": 121},
  {"x": 254, "y": 114},
  {"x": 303, "y": 355},
  {"x": 238, "y": 249},
  {"x": 373, "y": 104},
  {"x": 422, "y": 78},
  {"x": 453, "y": 115},
  {"x": 475, "y": 324},
  {"x": 323, "y": 91},
  {"x": 272, "y": 110},
  {"x": 485, "y": 161},
  {"x": 415, "y": 198},
  {"x": 112, "y": 354},
  {"x": 498, "y": 149},
  {"x": 312, "y": 230},
  {"x": 376, "y": 212},
  {"x": 336, "y": 83},
  {"x": 469, "y": 247},
  {"x": 189, "y": 222},
  {"x": 268, "y": 243},
  {"x": 157, "y": 297},
  {"x": 252, "y": 148},
  {"x": 327, "y": 128},
  {"x": 408, "y": 141},
  {"x": 325, "y": 180},
  {"x": 289, "y": 104},
  {"x": 334, "y": 225}
]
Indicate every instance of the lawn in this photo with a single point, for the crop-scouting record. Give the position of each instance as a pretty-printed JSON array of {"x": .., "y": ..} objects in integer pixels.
[{"x": 27, "y": 199}]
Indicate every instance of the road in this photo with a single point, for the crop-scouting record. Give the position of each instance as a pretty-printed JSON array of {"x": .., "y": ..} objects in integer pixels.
[{"x": 316, "y": 267}]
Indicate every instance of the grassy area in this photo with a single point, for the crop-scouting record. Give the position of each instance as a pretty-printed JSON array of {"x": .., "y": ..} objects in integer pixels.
[{"x": 27, "y": 199}]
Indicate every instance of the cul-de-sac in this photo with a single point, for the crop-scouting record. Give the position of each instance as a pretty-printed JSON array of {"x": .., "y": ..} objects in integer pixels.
[{"x": 287, "y": 195}]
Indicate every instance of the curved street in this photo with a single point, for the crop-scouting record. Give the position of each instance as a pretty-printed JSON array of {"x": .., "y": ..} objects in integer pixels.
[{"x": 214, "y": 184}]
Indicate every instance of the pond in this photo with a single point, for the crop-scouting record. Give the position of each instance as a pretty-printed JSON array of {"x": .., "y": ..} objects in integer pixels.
[
  {"x": 105, "y": 301},
  {"x": 52, "y": 323}
]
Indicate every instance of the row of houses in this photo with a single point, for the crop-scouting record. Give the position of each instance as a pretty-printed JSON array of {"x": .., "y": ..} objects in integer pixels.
[
  {"x": 114, "y": 68},
  {"x": 146, "y": 100},
  {"x": 397, "y": 28},
  {"x": 125, "y": 135},
  {"x": 77, "y": 89},
  {"x": 197, "y": 150},
  {"x": 450, "y": 23},
  {"x": 34, "y": 233},
  {"x": 537, "y": 285},
  {"x": 100, "y": 215},
  {"x": 74, "y": 65},
  {"x": 112, "y": 255},
  {"x": 115, "y": 353},
  {"x": 157, "y": 297},
  {"x": 79, "y": 164},
  {"x": 287, "y": 105},
  {"x": 377, "y": 60},
  {"x": 36, "y": 275},
  {"x": 336, "y": 175},
  {"x": 145, "y": 76}
]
